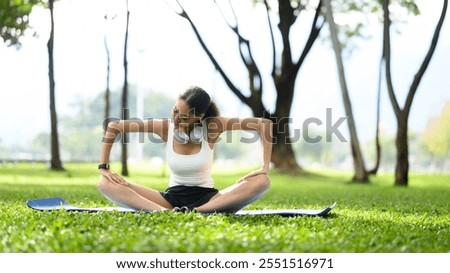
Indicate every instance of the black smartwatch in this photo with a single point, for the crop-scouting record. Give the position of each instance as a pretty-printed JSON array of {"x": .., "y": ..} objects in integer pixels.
[{"x": 103, "y": 166}]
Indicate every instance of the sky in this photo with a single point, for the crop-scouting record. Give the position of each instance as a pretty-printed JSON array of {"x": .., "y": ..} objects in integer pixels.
[{"x": 165, "y": 56}]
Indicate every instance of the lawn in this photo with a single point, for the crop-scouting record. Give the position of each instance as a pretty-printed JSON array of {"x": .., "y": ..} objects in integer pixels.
[{"x": 378, "y": 217}]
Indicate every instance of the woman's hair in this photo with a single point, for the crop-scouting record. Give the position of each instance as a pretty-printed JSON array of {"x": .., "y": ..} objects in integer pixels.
[{"x": 199, "y": 100}]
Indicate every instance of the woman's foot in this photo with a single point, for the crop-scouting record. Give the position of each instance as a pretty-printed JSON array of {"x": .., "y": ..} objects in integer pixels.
[{"x": 183, "y": 209}]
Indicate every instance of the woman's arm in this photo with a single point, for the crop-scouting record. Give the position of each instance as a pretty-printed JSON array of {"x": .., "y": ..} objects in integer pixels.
[
  {"x": 157, "y": 126},
  {"x": 262, "y": 125}
]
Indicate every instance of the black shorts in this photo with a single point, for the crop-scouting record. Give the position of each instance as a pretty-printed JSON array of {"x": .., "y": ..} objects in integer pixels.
[{"x": 189, "y": 196}]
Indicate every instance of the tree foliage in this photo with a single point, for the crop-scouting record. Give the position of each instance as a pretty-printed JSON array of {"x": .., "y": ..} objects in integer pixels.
[{"x": 15, "y": 19}]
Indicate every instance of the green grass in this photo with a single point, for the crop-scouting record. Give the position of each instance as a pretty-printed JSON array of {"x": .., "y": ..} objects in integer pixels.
[{"x": 369, "y": 218}]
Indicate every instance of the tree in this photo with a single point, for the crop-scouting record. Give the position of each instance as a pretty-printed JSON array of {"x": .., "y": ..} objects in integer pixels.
[
  {"x": 14, "y": 17},
  {"x": 284, "y": 73},
  {"x": 361, "y": 174},
  {"x": 108, "y": 72},
  {"x": 402, "y": 113},
  {"x": 55, "y": 161},
  {"x": 377, "y": 130},
  {"x": 125, "y": 110}
]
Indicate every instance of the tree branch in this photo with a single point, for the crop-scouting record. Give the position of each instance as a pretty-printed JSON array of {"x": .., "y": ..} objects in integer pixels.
[
  {"x": 287, "y": 19},
  {"x": 314, "y": 33},
  {"x": 246, "y": 56},
  {"x": 426, "y": 61},
  {"x": 227, "y": 80},
  {"x": 274, "y": 62}
]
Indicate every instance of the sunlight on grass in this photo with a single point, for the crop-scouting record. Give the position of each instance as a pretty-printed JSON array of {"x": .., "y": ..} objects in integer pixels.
[{"x": 378, "y": 217}]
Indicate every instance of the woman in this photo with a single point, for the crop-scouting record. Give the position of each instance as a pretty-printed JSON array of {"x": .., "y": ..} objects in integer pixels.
[{"x": 190, "y": 136}]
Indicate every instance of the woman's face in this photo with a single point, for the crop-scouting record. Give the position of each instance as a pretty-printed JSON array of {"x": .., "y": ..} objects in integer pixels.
[{"x": 182, "y": 116}]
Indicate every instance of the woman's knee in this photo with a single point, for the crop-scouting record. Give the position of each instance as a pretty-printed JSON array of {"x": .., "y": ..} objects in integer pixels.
[
  {"x": 104, "y": 185},
  {"x": 261, "y": 185},
  {"x": 262, "y": 182}
]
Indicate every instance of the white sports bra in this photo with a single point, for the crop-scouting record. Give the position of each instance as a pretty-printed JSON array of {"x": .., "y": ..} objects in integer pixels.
[{"x": 193, "y": 169}]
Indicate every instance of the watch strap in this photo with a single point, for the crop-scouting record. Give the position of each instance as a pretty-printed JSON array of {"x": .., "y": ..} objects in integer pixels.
[{"x": 103, "y": 166}]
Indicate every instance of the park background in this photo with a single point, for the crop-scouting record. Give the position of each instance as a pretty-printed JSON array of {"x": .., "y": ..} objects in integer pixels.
[{"x": 164, "y": 57}]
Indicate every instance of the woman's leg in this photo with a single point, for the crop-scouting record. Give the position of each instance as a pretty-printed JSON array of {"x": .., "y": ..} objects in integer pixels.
[
  {"x": 133, "y": 196},
  {"x": 237, "y": 196}
]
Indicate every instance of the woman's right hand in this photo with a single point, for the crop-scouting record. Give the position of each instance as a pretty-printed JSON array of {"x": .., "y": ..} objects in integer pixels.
[
  {"x": 113, "y": 177},
  {"x": 253, "y": 173}
]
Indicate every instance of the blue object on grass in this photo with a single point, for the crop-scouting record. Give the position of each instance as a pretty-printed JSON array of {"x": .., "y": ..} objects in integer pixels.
[{"x": 57, "y": 203}]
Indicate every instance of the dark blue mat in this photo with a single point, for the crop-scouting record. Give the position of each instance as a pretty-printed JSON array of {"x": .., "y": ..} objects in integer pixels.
[{"x": 57, "y": 203}]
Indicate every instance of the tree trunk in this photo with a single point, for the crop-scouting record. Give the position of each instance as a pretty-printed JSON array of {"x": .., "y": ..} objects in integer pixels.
[
  {"x": 377, "y": 131},
  {"x": 283, "y": 155},
  {"x": 401, "y": 144},
  {"x": 55, "y": 162},
  {"x": 108, "y": 74},
  {"x": 358, "y": 161},
  {"x": 125, "y": 110}
]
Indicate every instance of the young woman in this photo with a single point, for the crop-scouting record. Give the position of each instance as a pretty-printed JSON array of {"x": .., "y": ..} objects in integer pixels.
[{"x": 189, "y": 136}]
